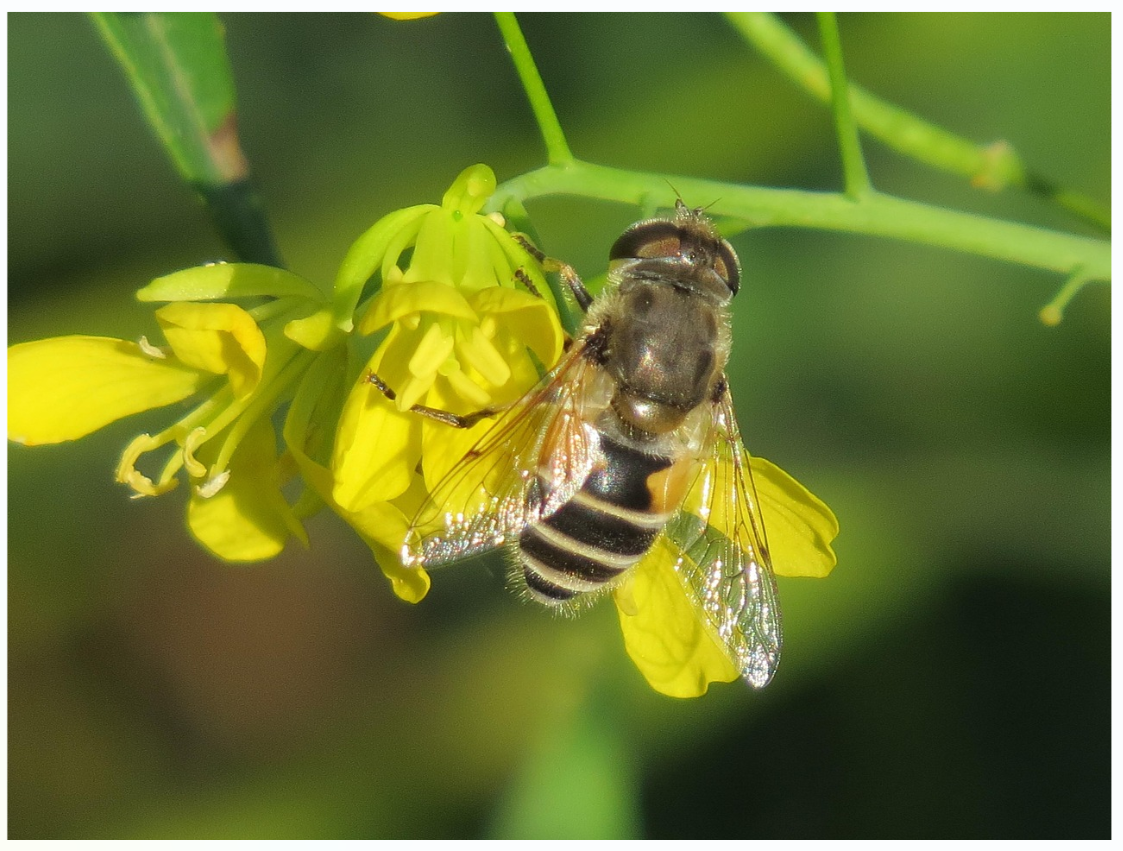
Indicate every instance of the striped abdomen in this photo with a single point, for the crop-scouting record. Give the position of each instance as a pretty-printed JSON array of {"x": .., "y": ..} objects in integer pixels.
[{"x": 606, "y": 528}]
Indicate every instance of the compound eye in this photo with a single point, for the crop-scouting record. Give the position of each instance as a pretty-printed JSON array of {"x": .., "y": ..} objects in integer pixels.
[
  {"x": 647, "y": 240},
  {"x": 727, "y": 266}
]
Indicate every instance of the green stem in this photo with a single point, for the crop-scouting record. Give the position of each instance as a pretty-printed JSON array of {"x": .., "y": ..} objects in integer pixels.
[
  {"x": 1052, "y": 313},
  {"x": 993, "y": 166},
  {"x": 850, "y": 146},
  {"x": 557, "y": 149},
  {"x": 876, "y": 214},
  {"x": 263, "y": 402}
]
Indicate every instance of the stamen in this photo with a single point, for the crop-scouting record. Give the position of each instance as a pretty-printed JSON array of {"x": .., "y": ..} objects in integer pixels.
[
  {"x": 413, "y": 392},
  {"x": 213, "y": 485},
  {"x": 197, "y": 437},
  {"x": 431, "y": 352},
  {"x": 468, "y": 389},
  {"x": 477, "y": 350},
  {"x": 128, "y": 474},
  {"x": 151, "y": 350}
]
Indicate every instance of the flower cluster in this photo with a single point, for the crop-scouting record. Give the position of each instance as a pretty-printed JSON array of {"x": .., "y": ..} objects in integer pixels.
[
  {"x": 237, "y": 364},
  {"x": 444, "y": 306},
  {"x": 255, "y": 349}
]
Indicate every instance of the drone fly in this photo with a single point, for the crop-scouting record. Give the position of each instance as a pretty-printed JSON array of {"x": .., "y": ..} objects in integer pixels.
[{"x": 630, "y": 439}]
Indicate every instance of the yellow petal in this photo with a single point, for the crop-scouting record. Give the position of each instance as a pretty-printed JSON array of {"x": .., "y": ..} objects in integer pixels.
[
  {"x": 376, "y": 448},
  {"x": 219, "y": 338},
  {"x": 407, "y": 16},
  {"x": 248, "y": 518},
  {"x": 799, "y": 526},
  {"x": 530, "y": 319},
  {"x": 381, "y": 525},
  {"x": 664, "y": 634},
  {"x": 228, "y": 280},
  {"x": 391, "y": 360},
  {"x": 524, "y": 371},
  {"x": 443, "y": 446},
  {"x": 524, "y": 376},
  {"x": 397, "y": 301},
  {"x": 66, "y": 387}
]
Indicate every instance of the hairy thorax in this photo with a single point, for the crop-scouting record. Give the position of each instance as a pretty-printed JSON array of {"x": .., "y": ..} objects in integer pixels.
[{"x": 665, "y": 350}]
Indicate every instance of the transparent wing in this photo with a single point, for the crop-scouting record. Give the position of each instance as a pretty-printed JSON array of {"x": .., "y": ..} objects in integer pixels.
[
  {"x": 526, "y": 465},
  {"x": 727, "y": 569}
]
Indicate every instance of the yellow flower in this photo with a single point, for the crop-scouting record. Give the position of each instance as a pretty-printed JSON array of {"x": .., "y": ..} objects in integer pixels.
[
  {"x": 408, "y": 16},
  {"x": 663, "y": 632},
  {"x": 238, "y": 363},
  {"x": 460, "y": 337},
  {"x": 308, "y": 435}
]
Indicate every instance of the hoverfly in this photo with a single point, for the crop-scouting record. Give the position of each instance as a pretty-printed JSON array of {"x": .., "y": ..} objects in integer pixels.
[{"x": 629, "y": 439}]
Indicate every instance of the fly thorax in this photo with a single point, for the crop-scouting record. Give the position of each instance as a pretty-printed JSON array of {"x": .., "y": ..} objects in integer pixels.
[{"x": 663, "y": 355}]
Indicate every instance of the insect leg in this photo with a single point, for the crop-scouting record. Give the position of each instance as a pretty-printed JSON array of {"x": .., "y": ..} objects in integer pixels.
[
  {"x": 524, "y": 279},
  {"x": 454, "y": 420},
  {"x": 566, "y": 272},
  {"x": 720, "y": 386}
]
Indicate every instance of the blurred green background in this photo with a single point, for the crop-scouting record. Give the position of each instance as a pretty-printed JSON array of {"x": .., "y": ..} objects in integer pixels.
[{"x": 951, "y": 679}]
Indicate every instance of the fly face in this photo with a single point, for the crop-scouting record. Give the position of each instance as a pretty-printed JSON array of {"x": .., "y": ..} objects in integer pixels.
[{"x": 685, "y": 251}]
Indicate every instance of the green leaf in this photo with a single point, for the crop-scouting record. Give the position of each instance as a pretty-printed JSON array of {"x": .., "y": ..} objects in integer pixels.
[{"x": 177, "y": 66}]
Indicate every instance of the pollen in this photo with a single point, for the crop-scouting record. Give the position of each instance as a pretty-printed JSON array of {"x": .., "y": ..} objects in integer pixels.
[
  {"x": 213, "y": 485},
  {"x": 151, "y": 350}
]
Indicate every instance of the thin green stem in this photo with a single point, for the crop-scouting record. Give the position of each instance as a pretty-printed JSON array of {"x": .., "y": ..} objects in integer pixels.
[
  {"x": 264, "y": 401},
  {"x": 1052, "y": 313},
  {"x": 876, "y": 215},
  {"x": 849, "y": 145},
  {"x": 557, "y": 149},
  {"x": 994, "y": 166}
]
